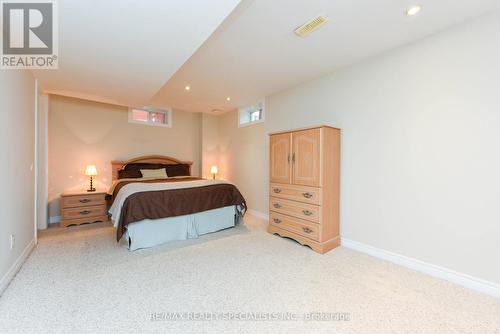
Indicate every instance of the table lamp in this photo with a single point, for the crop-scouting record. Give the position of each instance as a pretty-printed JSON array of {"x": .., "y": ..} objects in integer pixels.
[
  {"x": 91, "y": 171},
  {"x": 214, "y": 171}
]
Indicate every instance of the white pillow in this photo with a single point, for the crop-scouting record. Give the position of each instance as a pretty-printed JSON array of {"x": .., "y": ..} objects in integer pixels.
[{"x": 154, "y": 173}]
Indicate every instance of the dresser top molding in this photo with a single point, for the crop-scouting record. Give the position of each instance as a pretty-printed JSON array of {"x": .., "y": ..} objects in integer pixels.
[{"x": 301, "y": 129}]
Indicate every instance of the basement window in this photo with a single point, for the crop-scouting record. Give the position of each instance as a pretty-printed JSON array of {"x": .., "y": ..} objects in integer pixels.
[
  {"x": 251, "y": 114},
  {"x": 150, "y": 116}
]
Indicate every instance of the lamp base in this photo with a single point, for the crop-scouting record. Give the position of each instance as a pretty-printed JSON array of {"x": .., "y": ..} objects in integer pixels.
[{"x": 91, "y": 188}]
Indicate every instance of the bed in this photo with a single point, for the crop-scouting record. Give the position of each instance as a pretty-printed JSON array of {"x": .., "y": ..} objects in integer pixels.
[{"x": 147, "y": 212}]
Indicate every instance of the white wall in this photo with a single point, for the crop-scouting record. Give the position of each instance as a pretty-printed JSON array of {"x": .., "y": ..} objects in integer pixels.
[
  {"x": 43, "y": 163},
  {"x": 17, "y": 97},
  {"x": 420, "y": 141},
  {"x": 83, "y": 132},
  {"x": 210, "y": 143},
  {"x": 243, "y": 159}
]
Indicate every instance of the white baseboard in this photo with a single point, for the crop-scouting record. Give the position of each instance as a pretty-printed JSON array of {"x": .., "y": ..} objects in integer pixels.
[
  {"x": 462, "y": 279},
  {"x": 258, "y": 214},
  {"x": 54, "y": 219},
  {"x": 9, "y": 275}
]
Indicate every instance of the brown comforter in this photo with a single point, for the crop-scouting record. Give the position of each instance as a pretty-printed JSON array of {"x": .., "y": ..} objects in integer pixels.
[{"x": 175, "y": 202}]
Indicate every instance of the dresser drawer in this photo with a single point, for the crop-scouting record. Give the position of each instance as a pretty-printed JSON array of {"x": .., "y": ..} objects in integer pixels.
[
  {"x": 82, "y": 200},
  {"x": 304, "y": 194},
  {"x": 296, "y": 209},
  {"x": 295, "y": 225},
  {"x": 90, "y": 211}
]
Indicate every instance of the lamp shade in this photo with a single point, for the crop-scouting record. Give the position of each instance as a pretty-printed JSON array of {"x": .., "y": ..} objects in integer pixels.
[
  {"x": 214, "y": 170},
  {"x": 91, "y": 170}
]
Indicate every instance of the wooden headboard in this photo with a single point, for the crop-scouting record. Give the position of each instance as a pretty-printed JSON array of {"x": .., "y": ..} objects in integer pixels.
[{"x": 152, "y": 159}]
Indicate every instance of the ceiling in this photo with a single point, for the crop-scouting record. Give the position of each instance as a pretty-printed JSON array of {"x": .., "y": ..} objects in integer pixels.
[
  {"x": 245, "y": 51},
  {"x": 123, "y": 51},
  {"x": 256, "y": 52}
]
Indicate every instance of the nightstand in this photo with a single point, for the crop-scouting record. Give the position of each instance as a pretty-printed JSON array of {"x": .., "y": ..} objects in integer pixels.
[{"x": 83, "y": 207}]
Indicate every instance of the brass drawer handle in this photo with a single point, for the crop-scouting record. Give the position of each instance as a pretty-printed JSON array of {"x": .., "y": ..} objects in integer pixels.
[
  {"x": 307, "y": 212},
  {"x": 307, "y": 195},
  {"x": 86, "y": 200},
  {"x": 85, "y": 212},
  {"x": 307, "y": 230},
  {"x": 277, "y": 190},
  {"x": 277, "y": 221},
  {"x": 277, "y": 205}
]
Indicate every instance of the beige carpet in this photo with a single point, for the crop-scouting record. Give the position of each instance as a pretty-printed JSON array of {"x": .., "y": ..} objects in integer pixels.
[{"x": 81, "y": 281}]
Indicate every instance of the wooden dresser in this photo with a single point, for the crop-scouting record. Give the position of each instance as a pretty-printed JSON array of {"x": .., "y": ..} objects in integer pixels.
[
  {"x": 83, "y": 207},
  {"x": 304, "y": 186}
]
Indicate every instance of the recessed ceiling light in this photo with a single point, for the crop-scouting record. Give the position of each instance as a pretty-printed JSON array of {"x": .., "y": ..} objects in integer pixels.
[
  {"x": 412, "y": 11},
  {"x": 187, "y": 88},
  {"x": 228, "y": 98}
]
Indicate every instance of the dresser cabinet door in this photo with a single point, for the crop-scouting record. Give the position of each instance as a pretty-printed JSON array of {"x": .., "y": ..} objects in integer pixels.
[
  {"x": 306, "y": 146},
  {"x": 280, "y": 158}
]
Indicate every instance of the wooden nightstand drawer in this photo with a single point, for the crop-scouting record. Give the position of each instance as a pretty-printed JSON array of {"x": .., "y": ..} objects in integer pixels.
[
  {"x": 82, "y": 200},
  {"x": 83, "y": 212}
]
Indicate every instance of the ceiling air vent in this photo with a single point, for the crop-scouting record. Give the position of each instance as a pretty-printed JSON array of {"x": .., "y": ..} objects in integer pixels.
[{"x": 310, "y": 26}]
